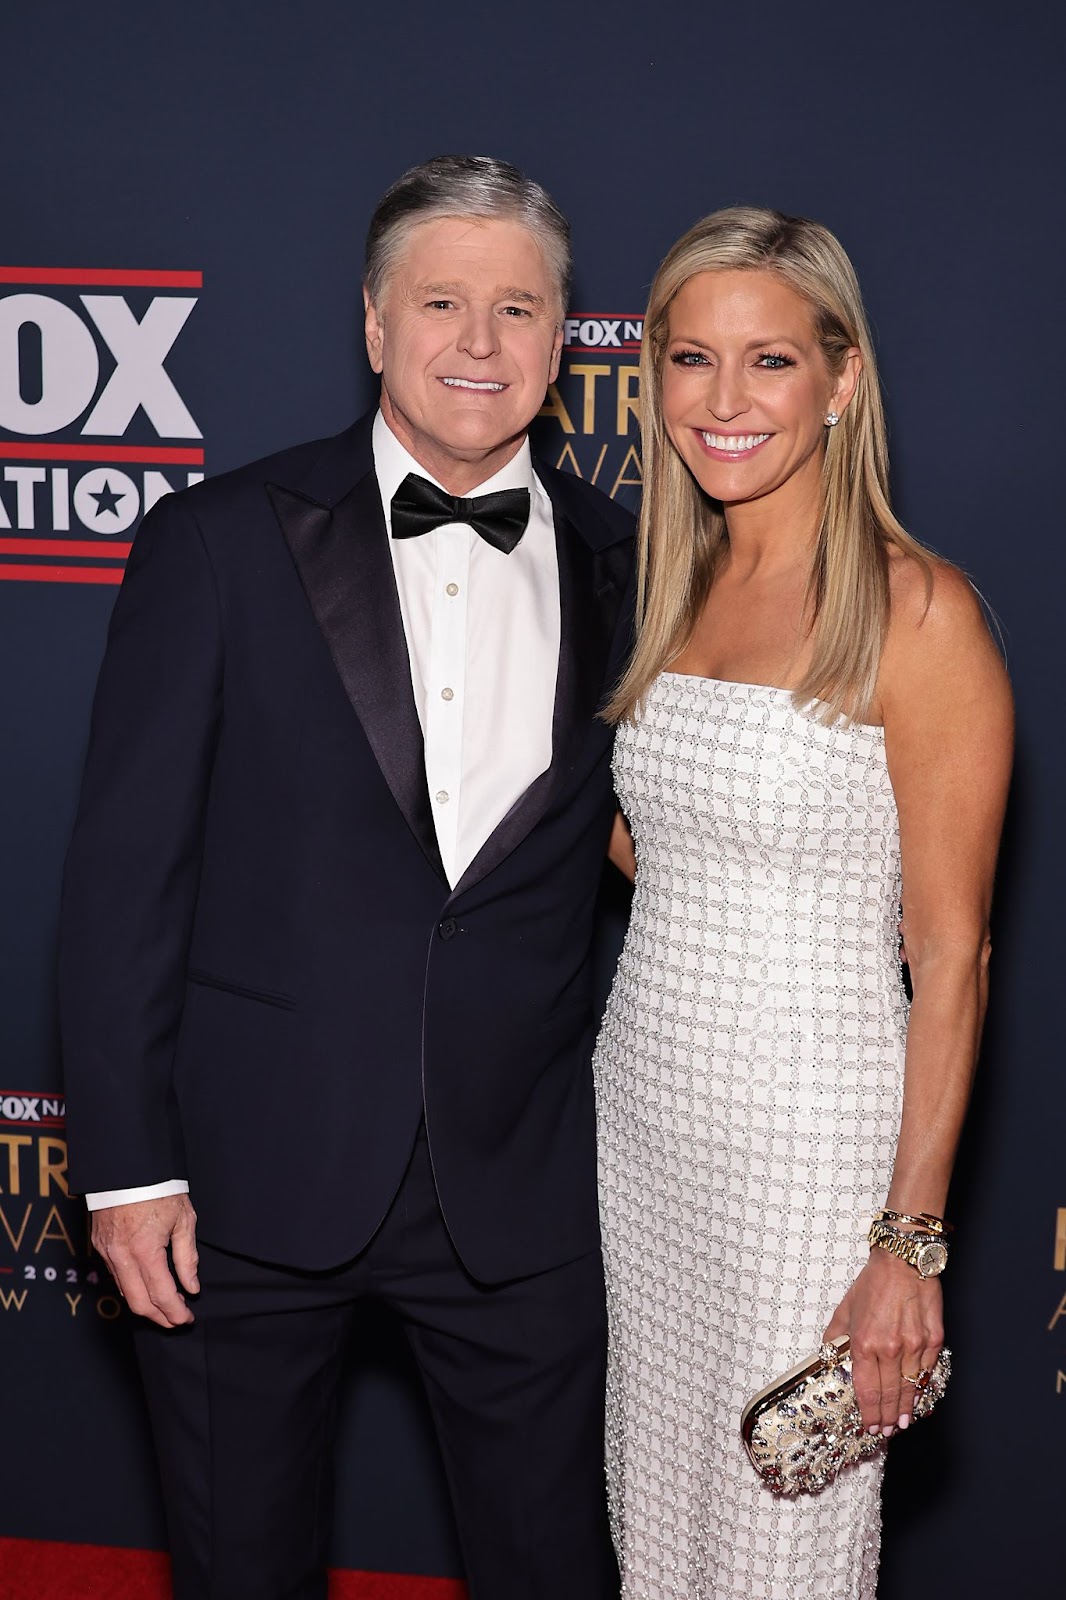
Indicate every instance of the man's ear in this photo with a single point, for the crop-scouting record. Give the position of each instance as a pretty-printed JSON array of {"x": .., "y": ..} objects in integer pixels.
[
  {"x": 557, "y": 351},
  {"x": 374, "y": 329}
]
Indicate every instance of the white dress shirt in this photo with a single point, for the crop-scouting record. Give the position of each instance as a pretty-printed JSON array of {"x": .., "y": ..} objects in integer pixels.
[{"x": 482, "y": 631}]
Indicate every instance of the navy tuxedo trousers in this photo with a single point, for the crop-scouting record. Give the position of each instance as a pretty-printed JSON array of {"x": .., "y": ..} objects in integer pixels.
[{"x": 243, "y": 1404}]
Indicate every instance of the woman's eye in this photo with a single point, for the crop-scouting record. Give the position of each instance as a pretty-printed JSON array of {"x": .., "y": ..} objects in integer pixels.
[
  {"x": 774, "y": 362},
  {"x": 688, "y": 358}
]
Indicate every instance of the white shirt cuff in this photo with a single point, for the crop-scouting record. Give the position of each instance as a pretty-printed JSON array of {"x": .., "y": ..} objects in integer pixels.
[{"x": 125, "y": 1197}]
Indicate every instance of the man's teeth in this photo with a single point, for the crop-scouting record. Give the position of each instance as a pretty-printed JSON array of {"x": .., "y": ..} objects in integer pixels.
[
  {"x": 733, "y": 441},
  {"x": 469, "y": 383}
]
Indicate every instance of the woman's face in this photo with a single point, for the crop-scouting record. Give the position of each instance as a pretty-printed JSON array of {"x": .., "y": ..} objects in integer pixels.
[{"x": 746, "y": 388}]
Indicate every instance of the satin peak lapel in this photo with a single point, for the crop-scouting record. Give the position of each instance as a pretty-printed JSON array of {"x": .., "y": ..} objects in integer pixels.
[{"x": 342, "y": 557}]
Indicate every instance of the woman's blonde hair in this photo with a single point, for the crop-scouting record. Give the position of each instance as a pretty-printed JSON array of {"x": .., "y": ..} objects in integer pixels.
[{"x": 681, "y": 531}]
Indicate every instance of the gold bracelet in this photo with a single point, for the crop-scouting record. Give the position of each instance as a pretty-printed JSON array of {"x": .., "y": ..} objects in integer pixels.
[{"x": 924, "y": 1220}]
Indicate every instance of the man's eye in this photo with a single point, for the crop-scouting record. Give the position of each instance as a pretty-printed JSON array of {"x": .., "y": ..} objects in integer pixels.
[
  {"x": 441, "y": 305},
  {"x": 516, "y": 311}
]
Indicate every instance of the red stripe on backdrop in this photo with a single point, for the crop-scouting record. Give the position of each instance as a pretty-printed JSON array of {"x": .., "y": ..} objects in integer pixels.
[
  {"x": 17, "y": 450},
  {"x": 12, "y": 573},
  {"x": 65, "y": 547},
  {"x": 35, "y": 1570},
  {"x": 111, "y": 277}
]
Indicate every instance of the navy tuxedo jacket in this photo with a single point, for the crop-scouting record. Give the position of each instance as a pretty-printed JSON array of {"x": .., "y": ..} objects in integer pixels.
[{"x": 264, "y": 973}]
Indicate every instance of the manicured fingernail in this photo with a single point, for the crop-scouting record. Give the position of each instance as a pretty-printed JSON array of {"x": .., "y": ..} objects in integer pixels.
[
  {"x": 875, "y": 1427},
  {"x": 888, "y": 1431},
  {"x": 904, "y": 1422}
]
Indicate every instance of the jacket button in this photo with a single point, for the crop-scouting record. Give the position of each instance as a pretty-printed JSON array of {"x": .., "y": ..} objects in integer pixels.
[{"x": 447, "y": 928}]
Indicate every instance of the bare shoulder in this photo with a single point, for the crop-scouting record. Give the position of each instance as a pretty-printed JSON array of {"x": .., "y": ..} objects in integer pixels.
[
  {"x": 936, "y": 620},
  {"x": 932, "y": 597},
  {"x": 940, "y": 659}
]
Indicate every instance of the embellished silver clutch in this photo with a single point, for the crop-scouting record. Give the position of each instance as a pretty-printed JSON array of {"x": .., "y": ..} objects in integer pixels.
[{"x": 805, "y": 1426}]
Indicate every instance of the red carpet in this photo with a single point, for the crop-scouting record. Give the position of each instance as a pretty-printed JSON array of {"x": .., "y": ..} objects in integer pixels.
[{"x": 33, "y": 1570}]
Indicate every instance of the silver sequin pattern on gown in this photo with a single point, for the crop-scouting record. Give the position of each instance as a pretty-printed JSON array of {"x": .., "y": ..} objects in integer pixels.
[{"x": 749, "y": 1079}]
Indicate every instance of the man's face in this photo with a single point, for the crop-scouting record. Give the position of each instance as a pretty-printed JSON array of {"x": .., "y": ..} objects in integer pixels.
[{"x": 466, "y": 338}]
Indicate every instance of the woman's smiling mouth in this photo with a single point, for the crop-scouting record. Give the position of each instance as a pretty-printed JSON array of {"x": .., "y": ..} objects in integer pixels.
[{"x": 732, "y": 444}]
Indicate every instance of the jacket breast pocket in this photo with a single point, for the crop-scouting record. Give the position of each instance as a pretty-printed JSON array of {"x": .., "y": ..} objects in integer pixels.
[{"x": 266, "y": 997}]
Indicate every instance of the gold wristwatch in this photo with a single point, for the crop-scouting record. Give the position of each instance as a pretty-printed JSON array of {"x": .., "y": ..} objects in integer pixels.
[{"x": 925, "y": 1252}]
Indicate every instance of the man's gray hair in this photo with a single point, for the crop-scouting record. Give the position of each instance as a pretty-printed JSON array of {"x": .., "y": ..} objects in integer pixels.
[{"x": 465, "y": 186}]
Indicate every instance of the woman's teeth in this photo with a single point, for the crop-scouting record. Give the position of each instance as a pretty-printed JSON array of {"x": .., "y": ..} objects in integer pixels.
[{"x": 733, "y": 442}]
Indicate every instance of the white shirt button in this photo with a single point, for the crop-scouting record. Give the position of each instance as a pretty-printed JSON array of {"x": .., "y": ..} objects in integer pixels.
[
  {"x": 442, "y": 797},
  {"x": 447, "y": 694},
  {"x": 452, "y": 589}
]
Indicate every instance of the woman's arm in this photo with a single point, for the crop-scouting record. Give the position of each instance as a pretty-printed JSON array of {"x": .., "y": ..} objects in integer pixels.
[
  {"x": 620, "y": 850},
  {"x": 947, "y": 712}
]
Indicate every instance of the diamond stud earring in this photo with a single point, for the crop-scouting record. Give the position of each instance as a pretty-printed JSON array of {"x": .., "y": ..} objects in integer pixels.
[{"x": 831, "y": 419}]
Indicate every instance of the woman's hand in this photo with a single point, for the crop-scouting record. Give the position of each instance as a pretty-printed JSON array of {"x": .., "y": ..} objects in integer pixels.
[
  {"x": 620, "y": 851},
  {"x": 895, "y": 1321}
]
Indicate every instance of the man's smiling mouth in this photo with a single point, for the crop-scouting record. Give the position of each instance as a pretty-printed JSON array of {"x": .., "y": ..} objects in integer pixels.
[{"x": 478, "y": 385}]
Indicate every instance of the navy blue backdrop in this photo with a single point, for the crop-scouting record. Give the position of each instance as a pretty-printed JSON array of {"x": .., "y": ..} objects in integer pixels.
[{"x": 232, "y": 152}]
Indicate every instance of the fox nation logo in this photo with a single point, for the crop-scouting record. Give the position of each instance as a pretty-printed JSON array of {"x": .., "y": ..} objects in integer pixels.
[
  {"x": 93, "y": 429},
  {"x": 588, "y": 423},
  {"x": 47, "y": 1267}
]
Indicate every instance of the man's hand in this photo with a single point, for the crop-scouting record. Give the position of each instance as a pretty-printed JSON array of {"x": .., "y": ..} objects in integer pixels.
[{"x": 133, "y": 1241}]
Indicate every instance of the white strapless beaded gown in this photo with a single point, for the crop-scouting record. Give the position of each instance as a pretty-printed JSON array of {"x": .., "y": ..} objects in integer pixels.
[{"x": 749, "y": 1081}]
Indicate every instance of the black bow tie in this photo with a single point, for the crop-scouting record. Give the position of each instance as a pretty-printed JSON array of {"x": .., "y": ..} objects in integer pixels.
[{"x": 418, "y": 506}]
